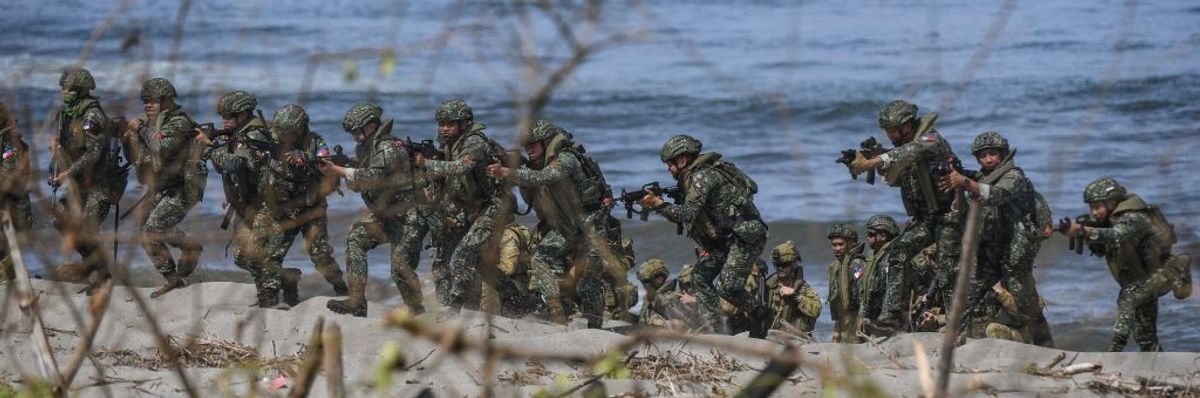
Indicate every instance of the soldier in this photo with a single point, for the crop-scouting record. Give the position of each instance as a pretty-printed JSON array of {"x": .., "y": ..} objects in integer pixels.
[
  {"x": 656, "y": 280},
  {"x": 619, "y": 298},
  {"x": 86, "y": 158},
  {"x": 468, "y": 150},
  {"x": 718, "y": 207},
  {"x": 1136, "y": 240},
  {"x": 391, "y": 188},
  {"x": 14, "y": 186},
  {"x": 912, "y": 165},
  {"x": 572, "y": 200},
  {"x": 844, "y": 274},
  {"x": 1010, "y": 230},
  {"x": 796, "y": 304},
  {"x": 293, "y": 191},
  {"x": 514, "y": 297},
  {"x": 885, "y": 286}
]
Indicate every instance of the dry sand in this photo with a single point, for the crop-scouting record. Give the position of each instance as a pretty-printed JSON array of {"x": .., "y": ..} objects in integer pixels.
[{"x": 123, "y": 363}]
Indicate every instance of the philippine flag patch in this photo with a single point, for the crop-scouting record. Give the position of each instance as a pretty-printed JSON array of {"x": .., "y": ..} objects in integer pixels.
[
  {"x": 9, "y": 153},
  {"x": 323, "y": 152}
]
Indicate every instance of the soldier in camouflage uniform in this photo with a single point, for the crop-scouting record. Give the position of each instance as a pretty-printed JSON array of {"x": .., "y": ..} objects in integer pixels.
[
  {"x": 514, "y": 296},
  {"x": 14, "y": 186},
  {"x": 919, "y": 153},
  {"x": 85, "y": 158},
  {"x": 568, "y": 191},
  {"x": 796, "y": 305},
  {"x": 293, "y": 191},
  {"x": 466, "y": 185},
  {"x": 619, "y": 298},
  {"x": 656, "y": 280},
  {"x": 383, "y": 173},
  {"x": 844, "y": 274},
  {"x": 1136, "y": 240},
  {"x": 718, "y": 208},
  {"x": 1010, "y": 234},
  {"x": 885, "y": 285}
]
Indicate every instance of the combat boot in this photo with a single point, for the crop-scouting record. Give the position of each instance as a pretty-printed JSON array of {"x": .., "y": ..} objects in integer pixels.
[
  {"x": 554, "y": 310},
  {"x": 1182, "y": 282},
  {"x": 340, "y": 288},
  {"x": 760, "y": 322},
  {"x": 267, "y": 298},
  {"x": 291, "y": 288},
  {"x": 173, "y": 282},
  {"x": 189, "y": 258},
  {"x": 356, "y": 304}
]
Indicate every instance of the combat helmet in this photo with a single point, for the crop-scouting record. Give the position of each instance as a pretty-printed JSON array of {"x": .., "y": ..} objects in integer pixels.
[
  {"x": 896, "y": 113},
  {"x": 291, "y": 118},
  {"x": 453, "y": 110},
  {"x": 989, "y": 140},
  {"x": 652, "y": 269},
  {"x": 679, "y": 145},
  {"x": 843, "y": 230},
  {"x": 542, "y": 130},
  {"x": 785, "y": 253},
  {"x": 78, "y": 77},
  {"x": 157, "y": 88},
  {"x": 235, "y": 102},
  {"x": 359, "y": 115},
  {"x": 885, "y": 223},
  {"x": 1102, "y": 189}
]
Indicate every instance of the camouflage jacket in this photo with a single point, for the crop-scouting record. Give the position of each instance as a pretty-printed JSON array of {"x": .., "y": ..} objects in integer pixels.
[
  {"x": 844, "y": 274},
  {"x": 467, "y": 185},
  {"x": 799, "y": 310},
  {"x": 873, "y": 283},
  {"x": 290, "y": 181},
  {"x": 14, "y": 163},
  {"x": 163, "y": 149},
  {"x": 908, "y": 166},
  {"x": 654, "y": 308},
  {"x": 1136, "y": 244},
  {"x": 1009, "y": 204},
  {"x": 384, "y": 174},
  {"x": 717, "y": 196},
  {"x": 85, "y": 145},
  {"x": 235, "y": 161},
  {"x": 557, "y": 186}
]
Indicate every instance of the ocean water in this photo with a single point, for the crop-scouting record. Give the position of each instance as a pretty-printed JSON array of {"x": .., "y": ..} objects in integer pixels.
[{"x": 1081, "y": 89}]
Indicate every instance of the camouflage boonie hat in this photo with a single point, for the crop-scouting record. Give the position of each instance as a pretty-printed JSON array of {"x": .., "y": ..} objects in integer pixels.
[
  {"x": 291, "y": 118},
  {"x": 883, "y": 223},
  {"x": 785, "y": 253},
  {"x": 896, "y": 113},
  {"x": 453, "y": 110},
  {"x": 542, "y": 130},
  {"x": 1104, "y": 188},
  {"x": 75, "y": 76},
  {"x": 157, "y": 88},
  {"x": 679, "y": 145},
  {"x": 235, "y": 102},
  {"x": 844, "y": 231},
  {"x": 989, "y": 140},
  {"x": 359, "y": 115},
  {"x": 652, "y": 269}
]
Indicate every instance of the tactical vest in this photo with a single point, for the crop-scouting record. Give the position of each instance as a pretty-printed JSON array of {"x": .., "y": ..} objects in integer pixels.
[
  {"x": 842, "y": 274},
  {"x": 14, "y": 181},
  {"x": 241, "y": 188},
  {"x": 1132, "y": 260},
  {"x": 397, "y": 191},
  {"x": 475, "y": 188},
  {"x": 565, "y": 203},
  {"x": 287, "y": 188},
  {"x": 73, "y": 139},
  {"x": 1023, "y": 209},
  {"x": 918, "y": 185},
  {"x": 735, "y": 202}
]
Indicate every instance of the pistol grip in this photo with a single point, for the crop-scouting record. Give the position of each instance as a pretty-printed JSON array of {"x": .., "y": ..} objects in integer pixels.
[
  {"x": 871, "y": 177},
  {"x": 645, "y": 215}
]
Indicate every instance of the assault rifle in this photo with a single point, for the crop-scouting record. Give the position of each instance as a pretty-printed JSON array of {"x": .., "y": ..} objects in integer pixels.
[
  {"x": 1078, "y": 241},
  {"x": 630, "y": 199},
  {"x": 424, "y": 147},
  {"x": 869, "y": 148},
  {"x": 337, "y": 157}
]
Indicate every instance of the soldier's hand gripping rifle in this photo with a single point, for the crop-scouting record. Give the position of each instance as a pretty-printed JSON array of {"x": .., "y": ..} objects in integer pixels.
[
  {"x": 869, "y": 148},
  {"x": 1079, "y": 240},
  {"x": 634, "y": 198},
  {"x": 424, "y": 147}
]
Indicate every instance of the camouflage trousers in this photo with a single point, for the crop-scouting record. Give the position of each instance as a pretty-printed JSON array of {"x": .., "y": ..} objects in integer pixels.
[
  {"x": 1010, "y": 261},
  {"x": 1137, "y": 320},
  {"x": 721, "y": 273},
  {"x": 465, "y": 270},
  {"x": 556, "y": 260},
  {"x": 160, "y": 231},
  {"x": 17, "y": 209},
  {"x": 443, "y": 236},
  {"x": 943, "y": 230},
  {"x": 897, "y": 294},
  {"x": 78, "y": 217},
  {"x": 404, "y": 233},
  {"x": 273, "y": 236},
  {"x": 515, "y": 297}
]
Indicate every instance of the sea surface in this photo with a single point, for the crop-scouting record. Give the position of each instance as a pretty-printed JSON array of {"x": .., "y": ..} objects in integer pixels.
[{"x": 1081, "y": 90}]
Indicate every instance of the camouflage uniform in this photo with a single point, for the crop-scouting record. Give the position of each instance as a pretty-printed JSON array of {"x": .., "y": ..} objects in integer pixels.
[
  {"x": 383, "y": 173},
  {"x": 1137, "y": 244},
  {"x": 886, "y": 288},
  {"x": 658, "y": 296},
  {"x": 620, "y": 297},
  {"x": 567, "y": 189},
  {"x": 513, "y": 294},
  {"x": 88, "y": 155},
  {"x": 293, "y": 202},
  {"x": 911, "y": 166},
  {"x": 718, "y": 208},
  {"x": 470, "y": 190},
  {"x": 799, "y": 310},
  {"x": 1010, "y": 238},
  {"x": 844, "y": 274},
  {"x": 443, "y": 235},
  {"x": 14, "y": 186},
  {"x": 169, "y": 162}
]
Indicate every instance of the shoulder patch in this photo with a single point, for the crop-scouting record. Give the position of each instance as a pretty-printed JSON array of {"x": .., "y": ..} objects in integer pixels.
[{"x": 931, "y": 137}]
